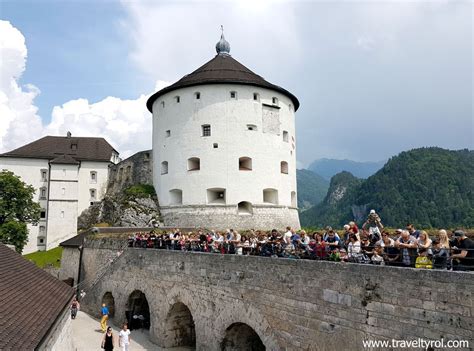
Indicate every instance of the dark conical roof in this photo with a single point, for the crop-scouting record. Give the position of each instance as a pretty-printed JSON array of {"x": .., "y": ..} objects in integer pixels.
[{"x": 222, "y": 69}]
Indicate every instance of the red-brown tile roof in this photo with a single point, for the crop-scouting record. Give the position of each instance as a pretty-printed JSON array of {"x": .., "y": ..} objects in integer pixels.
[
  {"x": 222, "y": 69},
  {"x": 74, "y": 148},
  {"x": 30, "y": 301}
]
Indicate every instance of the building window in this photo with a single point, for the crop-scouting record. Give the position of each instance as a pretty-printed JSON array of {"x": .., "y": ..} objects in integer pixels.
[
  {"x": 44, "y": 175},
  {"x": 245, "y": 164},
  {"x": 215, "y": 145},
  {"x": 293, "y": 198},
  {"x": 274, "y": 101},
  {"x": 164, "y": 167},
  {"x": 43, "y": 214},
  {"x": 63, "y": 191},
  {"x": 285, "y": 136},
  {"x": 163, "y": 104},
  {"x": 177, "y": 99},
  {"x": 42, "y": 230},
  {"x": 233, "y": 95},
  {"x": 256, "y": 97},
  {"x": 40, "y": 241},
  {"x": 93, "y": 194},
  {"x": 284, "y": 167},
  {"x": 197, "y": 95},
  {"x": 206, "y": 130},
  {"x": 216, "y": 196},
  {"x": 251, "y": 127},
  {"x": 290, "y": 107},
  {"x": 194, "y": 164},
  {"x": 62, "y": 214},
  {"x": 94, "y": 177},
  {"x": 244, "y": 208},
  {"x": 42, "y": 193},
  {"x": 176, "y": 197},
  {"x": 168, "y": 133},
  {"x": 270, "y": 196}
]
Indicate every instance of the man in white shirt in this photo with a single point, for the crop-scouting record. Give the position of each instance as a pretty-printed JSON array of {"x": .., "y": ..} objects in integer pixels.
[
  {"x": 287, "y": 236},
  {"x": 124, "y": 338}
]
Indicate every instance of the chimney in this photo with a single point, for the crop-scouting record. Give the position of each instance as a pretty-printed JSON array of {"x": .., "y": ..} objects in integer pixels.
[{"x": 68, "y": 134}]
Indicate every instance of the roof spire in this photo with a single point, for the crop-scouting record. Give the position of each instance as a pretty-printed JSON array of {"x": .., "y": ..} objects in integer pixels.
[{"x": 222, "y": 46}]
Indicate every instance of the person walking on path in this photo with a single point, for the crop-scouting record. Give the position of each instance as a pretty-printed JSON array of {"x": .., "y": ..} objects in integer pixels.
[
  {"x": 124, "y": 338},
  {"x": 108, "y": 342},
  {"x": 105, "y": 317}
]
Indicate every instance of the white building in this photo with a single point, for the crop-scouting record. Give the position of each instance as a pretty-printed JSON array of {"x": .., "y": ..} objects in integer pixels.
[
  {"x": 69, "y": 174},
  {"x": 224, "y": 148}
]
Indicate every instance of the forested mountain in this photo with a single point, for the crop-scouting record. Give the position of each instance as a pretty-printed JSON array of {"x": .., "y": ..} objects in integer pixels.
[
  {"x": 430, "y": 187},
  {"x": 312, "y": 188},
  {"x": 329, "y": 167}
]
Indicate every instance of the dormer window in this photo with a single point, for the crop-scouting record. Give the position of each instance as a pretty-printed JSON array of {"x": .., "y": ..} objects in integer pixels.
[
  {"x": 74, "y": 147},
  {"x": 197, "y": 95}
]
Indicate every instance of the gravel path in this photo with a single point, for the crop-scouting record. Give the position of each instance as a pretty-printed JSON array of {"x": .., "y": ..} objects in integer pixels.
[{"x": 87, "y": 336}]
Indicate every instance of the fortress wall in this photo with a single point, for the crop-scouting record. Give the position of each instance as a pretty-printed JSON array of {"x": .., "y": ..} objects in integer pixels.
[{"x": 291, "y": 304}]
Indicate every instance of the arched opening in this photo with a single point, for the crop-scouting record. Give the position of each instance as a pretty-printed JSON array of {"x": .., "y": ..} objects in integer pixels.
[
  {"x": 109, "y": 301},
  {"x": 179, "y": 327},
  {"x": 293, "y": 198},
  {"x": 244, "y": 208},
  {"x": 164, "y": 167},
  {"x": 216, "y": 196},
  {"x": 176, "y": 197},
  {"x": 270, "y": 196},
  {"x": 194, "y": 164},
  {"x": 137, "y": 312},
  {"x": 241, "y": 337},
  {"x": 284, "y": 167},
  {"x": 245, "y": 164}
]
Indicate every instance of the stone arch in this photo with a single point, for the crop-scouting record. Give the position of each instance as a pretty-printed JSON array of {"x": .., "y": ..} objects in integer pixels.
[
  {"x": 241, "y": 337},
  {"x": 137, "y": 312},
  {"x": 109, "y": 301},
  {"x": 179, "y": 327}
]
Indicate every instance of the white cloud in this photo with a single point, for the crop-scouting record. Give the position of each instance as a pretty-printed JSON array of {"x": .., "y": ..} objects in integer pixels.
[{"x": 126, "y": 124}]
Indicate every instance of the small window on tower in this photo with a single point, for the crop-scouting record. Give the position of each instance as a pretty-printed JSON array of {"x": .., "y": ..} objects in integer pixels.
[
  {"x": 93, "y": 177},
  {"x": 168, "y": 133},
  {"x": 43, "y": 214},
  {"x": 163, "y": 104},
  {"x": 285, "y": 136},
  {"x": 284, "y": 167},
  {"x": 164, "y": 167},
  {"x": 177, "y": 99},
  {"x": 215, "y": 145},
  {"x": 62, "y": 214},
  {"x": 197, "y": 95},
  {"x": 256, "y": 97},
  {"x": 274, "y": 101},
  {"x": 233, "y": 95},
  {"x": 206, "y": 130},
  {"x": 251, "y": 127},
  {"x": 194, "y": 164}
]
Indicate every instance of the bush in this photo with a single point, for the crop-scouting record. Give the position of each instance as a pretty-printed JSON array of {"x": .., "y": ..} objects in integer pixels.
[{"x": 140, "y": 190}]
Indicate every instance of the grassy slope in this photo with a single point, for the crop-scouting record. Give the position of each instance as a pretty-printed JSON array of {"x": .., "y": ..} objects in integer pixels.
[{"x": 45, "y": 258}]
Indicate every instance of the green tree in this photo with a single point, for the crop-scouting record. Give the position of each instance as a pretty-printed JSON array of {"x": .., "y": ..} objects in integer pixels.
[{"x": 17, "y": 208}]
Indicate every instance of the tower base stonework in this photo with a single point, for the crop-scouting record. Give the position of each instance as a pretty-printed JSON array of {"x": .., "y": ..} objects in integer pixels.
[{"x": 220, "y": 217}]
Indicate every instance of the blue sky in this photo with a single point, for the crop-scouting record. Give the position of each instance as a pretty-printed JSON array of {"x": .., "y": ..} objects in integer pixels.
[{"x": 373, "y": 78}]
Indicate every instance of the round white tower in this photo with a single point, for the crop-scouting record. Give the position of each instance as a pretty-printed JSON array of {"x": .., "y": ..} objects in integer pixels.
[{"x": 224, "y": 149}]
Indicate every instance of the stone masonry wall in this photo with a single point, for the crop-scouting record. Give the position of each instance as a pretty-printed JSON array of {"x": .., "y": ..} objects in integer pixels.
[
  {"x": 290, "y": 304},
  {"x": 69, "y": 263},
  {"x": 222, "y": 217}
]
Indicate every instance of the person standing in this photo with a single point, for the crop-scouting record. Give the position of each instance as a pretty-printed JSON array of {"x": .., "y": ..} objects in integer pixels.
[
  {"x": 464, "y": 260},
  {"x": 105, "y": 316},
  {"x": 108, "y": 342},
  {"x": 124, "y": 338}
]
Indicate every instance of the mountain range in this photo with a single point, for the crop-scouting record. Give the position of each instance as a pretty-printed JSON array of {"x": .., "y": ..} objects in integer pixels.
[{"x": 327, "y": 167}]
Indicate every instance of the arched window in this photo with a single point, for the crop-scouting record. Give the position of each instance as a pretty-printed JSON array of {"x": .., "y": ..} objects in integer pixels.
[
  {"x": 93, "y": 177},
  {"x": 245, "y": 164},
  {"x": 270, "y": 196},
  {"x": 284, "y": 167},
  {"x": 164, "y": 167},
  {"x": 216, "y": 196},
  {"x": 274, "y": 100},
  {"x": 285, "y": 136},
  {"x": 244, "y": 208},
  {"x": 197, "y": 95},
  {"x": 251, "y": 127},
  {"x": 176, "y": 197},
  {"x": 42, "y": 193},
  {"x": 194, "y": 164},
  {"x": 293, "y": 198}
]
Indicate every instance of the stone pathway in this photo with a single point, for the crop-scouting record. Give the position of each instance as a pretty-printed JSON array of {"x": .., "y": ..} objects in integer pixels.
[{"x": 87, "y": 336}]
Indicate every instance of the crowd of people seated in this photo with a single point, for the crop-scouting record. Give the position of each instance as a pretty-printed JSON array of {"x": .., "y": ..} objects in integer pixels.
[{"x": 370, "y": 244}]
